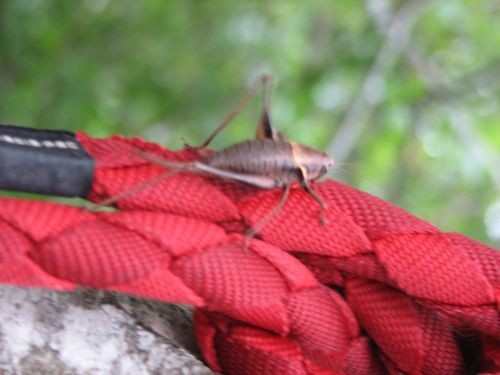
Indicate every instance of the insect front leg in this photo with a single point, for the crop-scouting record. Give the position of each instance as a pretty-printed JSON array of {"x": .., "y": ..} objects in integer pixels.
[{"x": 304, "y": 182}]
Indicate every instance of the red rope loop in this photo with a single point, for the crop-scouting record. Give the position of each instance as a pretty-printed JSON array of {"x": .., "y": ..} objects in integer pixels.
[{"x": 377, "y": 290}]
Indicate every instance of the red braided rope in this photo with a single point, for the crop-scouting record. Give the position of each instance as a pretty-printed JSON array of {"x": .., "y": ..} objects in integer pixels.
[{"x": 401, "y": 295}]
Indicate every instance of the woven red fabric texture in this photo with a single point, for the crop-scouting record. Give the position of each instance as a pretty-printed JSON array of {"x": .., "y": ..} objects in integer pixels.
[{"x": 375, "y": 291}]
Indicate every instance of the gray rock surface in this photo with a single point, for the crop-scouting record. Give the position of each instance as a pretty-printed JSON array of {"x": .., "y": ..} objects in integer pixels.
[{"x": 94, "y": 332}]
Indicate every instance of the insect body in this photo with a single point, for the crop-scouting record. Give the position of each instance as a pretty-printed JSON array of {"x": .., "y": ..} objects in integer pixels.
[
  {"x": 266, "y": 162},
  {"x": 269, "y": 163}
]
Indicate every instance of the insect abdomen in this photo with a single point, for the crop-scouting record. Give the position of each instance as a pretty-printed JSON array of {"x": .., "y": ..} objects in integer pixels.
[{"x": 265, "y": 157}]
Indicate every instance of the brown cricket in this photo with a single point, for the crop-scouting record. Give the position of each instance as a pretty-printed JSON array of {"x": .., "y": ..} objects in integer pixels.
[{"x": 267, "y": 162}]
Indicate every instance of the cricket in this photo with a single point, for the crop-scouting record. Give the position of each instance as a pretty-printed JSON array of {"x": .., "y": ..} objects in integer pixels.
[{"x": 268, "y": 162}]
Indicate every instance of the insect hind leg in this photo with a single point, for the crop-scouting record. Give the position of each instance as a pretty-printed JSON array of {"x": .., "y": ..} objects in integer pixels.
[
  {"x": 263, "y": 81},
  {"x": 175, "y": 167},
  {"x": 266, "y": 129}
]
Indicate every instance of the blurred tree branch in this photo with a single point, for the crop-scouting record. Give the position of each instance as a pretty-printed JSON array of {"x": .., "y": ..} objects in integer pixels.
[
  {"x": 397, "y": 36},
  {"x": 437, "y": 80},
  {"x": 485, "y": 77}
]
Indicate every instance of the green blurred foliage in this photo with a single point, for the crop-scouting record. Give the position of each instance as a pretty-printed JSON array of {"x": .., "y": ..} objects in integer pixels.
[{"x": 429, "y": 120}]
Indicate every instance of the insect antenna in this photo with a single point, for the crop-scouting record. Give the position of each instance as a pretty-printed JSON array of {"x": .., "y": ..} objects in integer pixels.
[
  {"x": 350, "y": 170},
  {"x": 261, "y": 224}
]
